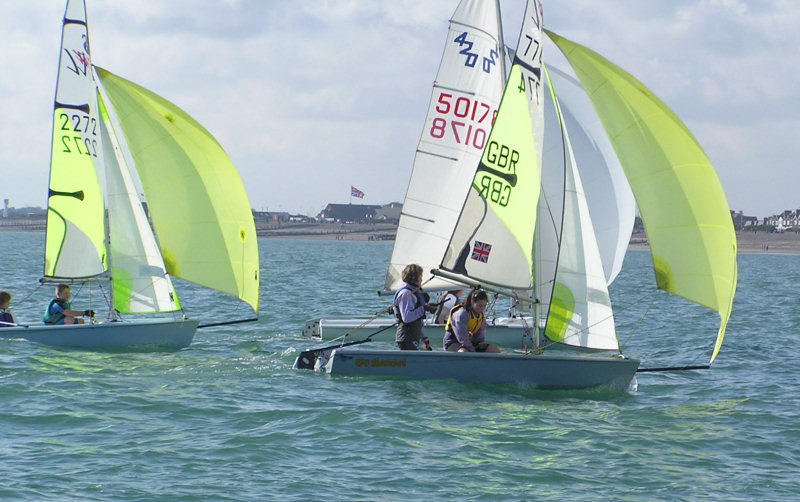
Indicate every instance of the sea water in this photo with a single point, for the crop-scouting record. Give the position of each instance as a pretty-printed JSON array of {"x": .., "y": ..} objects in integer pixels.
[{"x": 229, "y": 419}]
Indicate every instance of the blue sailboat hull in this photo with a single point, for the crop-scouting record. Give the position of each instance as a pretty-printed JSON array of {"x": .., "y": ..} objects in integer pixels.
[
  {"x": 145, "y": 333},
  {"x": 537, "y": 371}
]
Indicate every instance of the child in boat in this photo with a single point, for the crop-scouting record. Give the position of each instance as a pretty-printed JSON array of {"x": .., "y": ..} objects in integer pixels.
[
  {"x": 409, "y": 306},
  {"x": 465, "y": 330},
  {"x": 59, "y": 311},
  {"x": 6, "y": 317},
  {"x": 447, "y": 302}
]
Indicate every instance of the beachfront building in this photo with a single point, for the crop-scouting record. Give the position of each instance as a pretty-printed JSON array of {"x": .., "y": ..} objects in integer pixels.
[
  {"x": 349, "y": 213},
  {"x": 784, "y": 221}
]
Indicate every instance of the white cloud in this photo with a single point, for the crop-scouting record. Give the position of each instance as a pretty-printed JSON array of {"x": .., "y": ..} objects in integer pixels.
[{"x": 310, "y": 97}]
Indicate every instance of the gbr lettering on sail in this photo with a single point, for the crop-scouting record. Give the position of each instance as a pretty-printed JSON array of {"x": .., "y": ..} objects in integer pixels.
[{"x": 522, "y": 124}]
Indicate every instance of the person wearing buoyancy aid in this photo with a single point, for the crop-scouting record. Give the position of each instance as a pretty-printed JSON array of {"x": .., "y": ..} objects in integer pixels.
[
  {"x": 465, "y": 330},
  {"x": 409, "y": 307},
  {"x": 6, "y": 317},
  {"x": 59, "y": 310},
  {"x": 446, "y": 303}
]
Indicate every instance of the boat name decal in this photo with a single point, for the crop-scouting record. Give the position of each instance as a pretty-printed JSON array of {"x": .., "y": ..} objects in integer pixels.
[{"x": 380, "y": 362}]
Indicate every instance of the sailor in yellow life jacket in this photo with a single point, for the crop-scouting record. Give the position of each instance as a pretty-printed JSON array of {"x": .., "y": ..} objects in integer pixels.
[{"x": 465, "y": 330}]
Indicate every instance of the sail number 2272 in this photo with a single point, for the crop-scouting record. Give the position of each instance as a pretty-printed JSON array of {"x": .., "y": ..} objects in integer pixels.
[
  {"x": 81, "y": 125},
  {"x": 464, "y": 120}
]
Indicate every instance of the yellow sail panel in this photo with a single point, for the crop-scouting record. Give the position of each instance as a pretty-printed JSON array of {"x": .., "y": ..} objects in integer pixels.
[
  {"x": 74, "y": 243},
  {"x": 196, "y": 199},
  {"x": 493, "y": 239},
  {"x": 683, "y": 207}
]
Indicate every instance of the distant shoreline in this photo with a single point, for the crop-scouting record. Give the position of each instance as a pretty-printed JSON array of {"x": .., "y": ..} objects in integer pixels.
[{"x": 747, "y": 242}]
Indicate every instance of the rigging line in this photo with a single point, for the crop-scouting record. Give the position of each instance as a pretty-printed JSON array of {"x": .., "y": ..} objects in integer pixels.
[
  {"x": 387, "y": 310},
  {"x": 225, "y": 323},
  {"x": 527, "y": 335},
  {"x": 639, "y": 322},
  {"x": 30, "y": 295},
  {"x": 622, "y": 309},
  {"x": 105, "y": 298}
]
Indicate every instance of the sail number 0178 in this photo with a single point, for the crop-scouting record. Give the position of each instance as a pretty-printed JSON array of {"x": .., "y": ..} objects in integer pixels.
[{"x": 467, "y": 131}]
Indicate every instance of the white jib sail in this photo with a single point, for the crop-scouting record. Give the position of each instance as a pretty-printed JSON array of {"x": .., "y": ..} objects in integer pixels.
[
  {"x": 608, "y": 194},
  {"x": 461, "y": 112},
  {"x": 139, "y": 279},
  {"x": 580, "y": 311}
]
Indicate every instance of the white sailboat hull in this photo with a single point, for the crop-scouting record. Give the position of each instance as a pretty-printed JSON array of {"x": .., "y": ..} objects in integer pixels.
[
  {"x": 149, "y": 333},
  {"x": 502, "y": 331},
  {"x": 537, "y": 371}
]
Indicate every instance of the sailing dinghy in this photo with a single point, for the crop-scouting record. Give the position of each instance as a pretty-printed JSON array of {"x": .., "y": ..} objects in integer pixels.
[
  {"x": 463, "y": 106},
  {"x": 110, "y": 136},
  {"x": 555, "y": 258}
]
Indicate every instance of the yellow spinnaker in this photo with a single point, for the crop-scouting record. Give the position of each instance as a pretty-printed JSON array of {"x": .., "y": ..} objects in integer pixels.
[
  {"x": 683, "y": 208},
  {"x": 196, "y": 199}
]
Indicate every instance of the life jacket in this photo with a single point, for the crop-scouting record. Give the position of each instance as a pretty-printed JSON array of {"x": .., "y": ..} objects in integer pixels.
[
  {"x": 408, "y": 331},
  {"x": 473, "y": 323},
  {"x": 6, "y": 317},
  {"x": 396, "y": 310},
  {"x": 51, "y": 317}
]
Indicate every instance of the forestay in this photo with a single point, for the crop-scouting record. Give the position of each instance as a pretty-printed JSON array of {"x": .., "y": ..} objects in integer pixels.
[
  {"x": 579, "y": 312},
  {"x": 140, "y": 281}
]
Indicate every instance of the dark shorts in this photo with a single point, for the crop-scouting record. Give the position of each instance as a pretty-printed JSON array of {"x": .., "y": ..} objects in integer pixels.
[
  {"x": 408, "y": 345},
  {"x": 454, "y": 346}
]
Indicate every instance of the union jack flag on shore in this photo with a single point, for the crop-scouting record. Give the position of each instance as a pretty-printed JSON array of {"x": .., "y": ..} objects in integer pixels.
[{"x": 355, "y": 192}]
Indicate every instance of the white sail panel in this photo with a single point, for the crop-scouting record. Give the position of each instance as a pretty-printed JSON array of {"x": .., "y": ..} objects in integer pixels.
[
  {"x": 580, "y": 311},
  {"x": 139, "y": 277},
  {"x": 608, "y": 194},
  {"x": 462, "y": 109}
]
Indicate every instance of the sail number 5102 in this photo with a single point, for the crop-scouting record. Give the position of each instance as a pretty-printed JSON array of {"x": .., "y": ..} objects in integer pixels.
[{"x": 476, "y": 119}]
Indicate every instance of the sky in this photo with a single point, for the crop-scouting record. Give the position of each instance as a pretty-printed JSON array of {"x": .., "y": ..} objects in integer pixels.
[{"x": 310, "y": 97}]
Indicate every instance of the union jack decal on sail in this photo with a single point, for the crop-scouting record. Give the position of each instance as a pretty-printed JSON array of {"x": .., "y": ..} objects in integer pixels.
[{"x": 480, "y": 251}]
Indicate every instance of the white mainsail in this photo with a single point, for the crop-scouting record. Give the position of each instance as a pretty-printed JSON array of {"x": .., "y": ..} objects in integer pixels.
[{"x": 461, "y": 112}]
